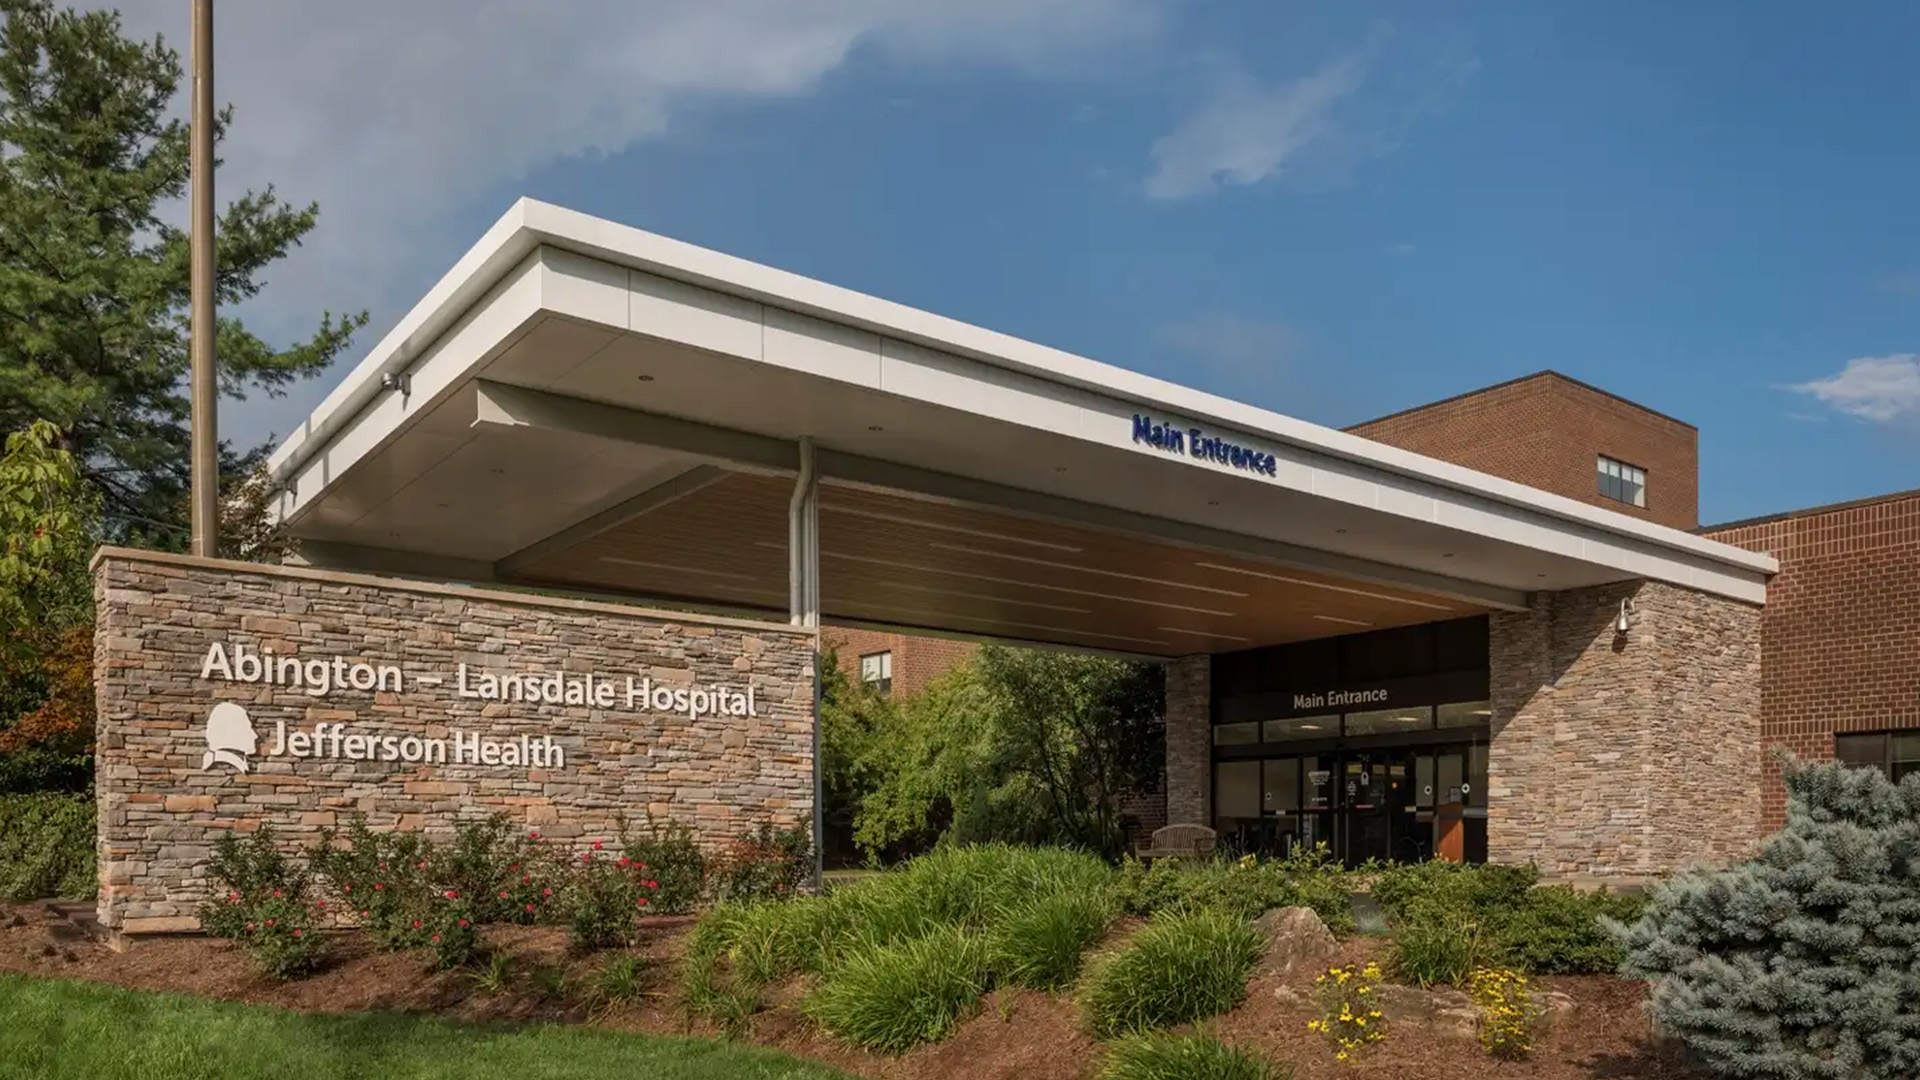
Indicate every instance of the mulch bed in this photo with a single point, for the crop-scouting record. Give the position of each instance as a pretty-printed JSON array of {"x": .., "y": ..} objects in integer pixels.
[{"x": 1016, "y": 1034}]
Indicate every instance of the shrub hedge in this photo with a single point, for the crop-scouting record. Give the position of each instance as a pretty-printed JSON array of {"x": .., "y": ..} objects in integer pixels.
[
  {"x": 1451, "y": 917},
  {"x": 1243, "y": 887},
  {"x": 47, "y": 847}
]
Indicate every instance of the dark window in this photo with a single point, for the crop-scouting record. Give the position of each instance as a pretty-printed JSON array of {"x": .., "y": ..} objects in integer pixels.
[
  {"x": 1623, "y": 482},
  {"x": 1895, "y": 753}
]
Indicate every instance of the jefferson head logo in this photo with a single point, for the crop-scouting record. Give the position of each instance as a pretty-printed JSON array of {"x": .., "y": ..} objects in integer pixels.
[{"x": 230, "y": 737}]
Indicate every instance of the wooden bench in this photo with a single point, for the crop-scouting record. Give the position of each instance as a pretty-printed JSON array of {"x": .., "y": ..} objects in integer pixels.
[{"x": 1179, "y": 842}]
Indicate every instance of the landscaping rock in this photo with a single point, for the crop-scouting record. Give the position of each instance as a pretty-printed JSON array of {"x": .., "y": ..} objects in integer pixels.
[
  {"x": 1556, "y": 1003},
  {"x": 1296, "y": 939},
  {"x": 1444, "y": 1012}
]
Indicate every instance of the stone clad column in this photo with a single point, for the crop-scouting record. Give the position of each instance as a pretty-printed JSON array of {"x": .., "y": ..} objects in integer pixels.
[
  {"x": 1629, "y": 754},
  {"x": 1190, "y": 741}
]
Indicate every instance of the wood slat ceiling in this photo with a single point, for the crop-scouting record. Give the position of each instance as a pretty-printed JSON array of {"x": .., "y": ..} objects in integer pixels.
[{"x": 891, "y": 558}]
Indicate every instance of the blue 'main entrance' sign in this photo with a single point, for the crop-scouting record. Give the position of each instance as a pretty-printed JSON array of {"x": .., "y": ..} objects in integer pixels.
[{"x": 1196, "y": 443}]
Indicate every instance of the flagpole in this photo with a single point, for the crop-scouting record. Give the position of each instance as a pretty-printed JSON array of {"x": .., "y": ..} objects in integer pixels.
[{"x": 204, "y": 381}]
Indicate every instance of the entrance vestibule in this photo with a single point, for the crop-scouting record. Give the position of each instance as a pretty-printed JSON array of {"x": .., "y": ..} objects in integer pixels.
[{"x": 1400, "y": 783}]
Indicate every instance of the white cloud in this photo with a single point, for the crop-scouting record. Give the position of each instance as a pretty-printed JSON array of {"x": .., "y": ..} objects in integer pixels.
[
  {"x": 1881, "y": 389},
  {"x": 398, "y": 116},
  {"x": 1248, "y": 132}
]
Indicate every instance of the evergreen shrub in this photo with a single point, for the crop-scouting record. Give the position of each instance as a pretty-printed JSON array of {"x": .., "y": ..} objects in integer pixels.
[{"x": 1803, "y": 962}]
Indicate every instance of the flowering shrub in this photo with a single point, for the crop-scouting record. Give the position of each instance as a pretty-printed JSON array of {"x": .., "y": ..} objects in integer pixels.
[
  {"x": 266, "y": 909},
  {"x": 1350, "y": 1016},
  {"x": 382, "y": 881},
  {"x": 605, "y": 898},
  {"x": 1509, "y": 1017},
  {"x": 506, "y": 874},
  {"x": 453, "y": 931},
  {"x": 766, "y": 864},
  {"x": 675, "y": 861}
]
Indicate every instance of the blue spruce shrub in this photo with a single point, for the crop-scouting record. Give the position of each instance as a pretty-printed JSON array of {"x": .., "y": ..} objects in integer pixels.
[{"x": 1802, "y": 963}]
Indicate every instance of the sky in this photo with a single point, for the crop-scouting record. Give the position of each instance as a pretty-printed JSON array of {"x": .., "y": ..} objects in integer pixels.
[{"x": 1334, "y": 211}]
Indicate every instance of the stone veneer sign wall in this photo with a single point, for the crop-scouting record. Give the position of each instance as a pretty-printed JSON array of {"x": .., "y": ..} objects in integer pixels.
[{"x": 235, "y": 694}]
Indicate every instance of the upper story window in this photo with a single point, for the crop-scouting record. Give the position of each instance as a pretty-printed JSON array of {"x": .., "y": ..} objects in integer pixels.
[
  {"x": 876, "y": 670},
  {"x": 1623, "y": 482}
]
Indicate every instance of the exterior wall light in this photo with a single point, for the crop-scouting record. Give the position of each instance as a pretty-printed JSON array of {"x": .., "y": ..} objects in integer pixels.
[{"x": 1624, "y": 620}]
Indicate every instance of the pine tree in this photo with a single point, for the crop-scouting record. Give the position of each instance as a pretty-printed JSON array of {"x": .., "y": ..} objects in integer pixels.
[
  {"x": 94, "y": 282},
  {"x": 1802, "y": 963}
]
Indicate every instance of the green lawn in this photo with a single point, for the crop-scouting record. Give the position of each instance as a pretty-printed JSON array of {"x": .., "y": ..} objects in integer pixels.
[{"x": 59, "y": 1030}]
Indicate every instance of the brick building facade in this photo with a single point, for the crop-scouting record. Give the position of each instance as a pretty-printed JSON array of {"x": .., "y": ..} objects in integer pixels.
[
  {"x": 1841, "y": 634},
  {"x": 1546, "y": 431},
  {"x": 912, "y": 660}
]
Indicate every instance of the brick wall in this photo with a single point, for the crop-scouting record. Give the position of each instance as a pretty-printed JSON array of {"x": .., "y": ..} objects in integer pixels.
[
  {"x": 1624, "y": 755},
  {"x": 1190, "y": 741},
  {"x": 1546, "y": 431},
  {"x": 162, "y": 805},
  {"x": 1840, "y": 639},
  {"x": 917, "y": 660}
]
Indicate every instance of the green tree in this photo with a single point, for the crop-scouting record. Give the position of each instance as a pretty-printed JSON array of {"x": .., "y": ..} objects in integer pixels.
[
  {"x": 94, "y": 281},
  {"x": 1800, "y": 963},
  {"x": 47, "y": 531},
  {"x": 1022, "y": 745}
]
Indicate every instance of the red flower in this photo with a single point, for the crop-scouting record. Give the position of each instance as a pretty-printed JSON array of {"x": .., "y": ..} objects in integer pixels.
[
  {"x": 296, "y": 931},
  {"x": 421, "y": 865},
  {"x": 641, "y": 865},
  {"x": 416, "y": 924},
  {"x": 526, "y": 878},
  {"x": 515, "y": 866},
  {"x": 383, "y": 866},
  {"x": 596, "y": 845},
  {"x": 623, "y": 861},
  {"x": 546, "y": 892},
  {"x": 276, "y": 894},
  {"x": 320, "y": 903},
  {"x": 364, "y": 914},
  {"x": 463, "y": 924},
  {"x": 269, "y": 922},
  {"x": 653, "y": 884},
  {"x": 249, "y": 928},
  {"x": 529, "y": 907},
  {"x": 349, "y": 886},
  {"x": 233, "y": 896},
  {"x": 378, "y": 885},
  {"x": 533, "y": 836},
  {"x": 436, "y": 939},
  {"x": 642, "y": 901},
  {"x": 451, "y": 895},
  {"x": 503, "y": 894}
]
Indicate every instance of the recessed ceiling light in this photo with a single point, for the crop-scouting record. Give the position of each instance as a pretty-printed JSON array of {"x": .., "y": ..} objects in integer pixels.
[
  {"x": 1446, "y": 554},
  {"x": 1059, "y": 468},
  {"x": 1341, "y": 531},
  {"x": 644, "y": 378},
  {"x": 443, "y": 506},
  {"x": 1213, "y": 502},
  {"x": 497, "y": 471},
  {"x": 875, "y": 427}
]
